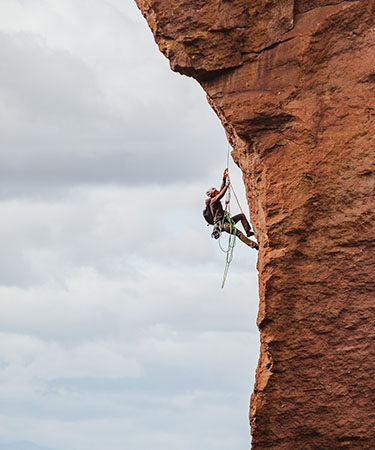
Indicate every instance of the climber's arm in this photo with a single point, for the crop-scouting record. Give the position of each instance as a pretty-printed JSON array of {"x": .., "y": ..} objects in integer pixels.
[{"x": 221, "y": 194}]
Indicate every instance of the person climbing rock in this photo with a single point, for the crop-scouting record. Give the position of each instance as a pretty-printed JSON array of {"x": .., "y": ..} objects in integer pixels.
[{"x": 215, "y": 215}]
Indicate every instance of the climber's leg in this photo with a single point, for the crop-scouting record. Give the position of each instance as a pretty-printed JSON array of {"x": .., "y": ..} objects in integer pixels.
[
  {"x": 240, "y": 235},
  {"x": 246, "y": 240},
  {"x": 245, "y": 223}
]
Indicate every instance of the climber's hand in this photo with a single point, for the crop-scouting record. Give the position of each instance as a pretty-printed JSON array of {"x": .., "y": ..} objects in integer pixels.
[{"x": 226, "y": 173}]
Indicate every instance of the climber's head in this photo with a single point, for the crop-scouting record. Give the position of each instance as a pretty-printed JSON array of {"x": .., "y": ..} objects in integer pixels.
[{"x": 212, "y": 192}]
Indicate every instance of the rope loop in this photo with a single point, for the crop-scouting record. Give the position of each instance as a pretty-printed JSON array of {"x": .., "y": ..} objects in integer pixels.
[{"x": 231, "y": 244}]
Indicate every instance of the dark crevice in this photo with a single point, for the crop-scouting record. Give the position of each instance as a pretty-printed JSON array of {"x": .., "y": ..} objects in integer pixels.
[
  {"x": 203, "y": 76},
  {"x": 264, "y": 323},
  {"x": 370, "y": 78},
  {"x": 270, "y": 47},
  {"x": 295, "y": 11},
  {"x": 351, "y": 438},
  {"x": 226, "y": 29},
  {"x": 266, "y": 123}
]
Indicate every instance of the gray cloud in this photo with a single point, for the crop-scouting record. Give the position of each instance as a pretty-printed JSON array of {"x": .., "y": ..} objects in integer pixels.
[
  {"x": 22, "y": 445},
  {"x": 114, "y": 330},
  {"x": 62, "y": 129},
  {"x": 104, "y": 230}
]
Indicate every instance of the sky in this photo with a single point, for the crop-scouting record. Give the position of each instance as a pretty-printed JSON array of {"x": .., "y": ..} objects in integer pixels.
[{"x": 114, "y": 330}]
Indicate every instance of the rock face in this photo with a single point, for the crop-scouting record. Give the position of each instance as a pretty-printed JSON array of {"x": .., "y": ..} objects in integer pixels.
[{"x": 293, "y": 83}]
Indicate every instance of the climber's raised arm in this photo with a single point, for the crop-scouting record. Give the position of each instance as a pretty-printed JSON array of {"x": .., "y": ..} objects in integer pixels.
[
  {"x": 222, "y": 192},
  {"x": 218, "y": 195}
]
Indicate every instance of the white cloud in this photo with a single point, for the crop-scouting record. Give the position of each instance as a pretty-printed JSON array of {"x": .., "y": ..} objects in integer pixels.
[
  {"x": 95, "y": 102},
  {"x": 114, "y": 330}
]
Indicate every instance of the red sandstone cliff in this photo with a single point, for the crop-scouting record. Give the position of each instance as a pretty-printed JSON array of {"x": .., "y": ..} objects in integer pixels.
[{"x": 293, "y": 83}]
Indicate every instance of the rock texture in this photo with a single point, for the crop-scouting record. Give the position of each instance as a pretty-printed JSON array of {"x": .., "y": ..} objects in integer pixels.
[{"x": 293, "y": 83}]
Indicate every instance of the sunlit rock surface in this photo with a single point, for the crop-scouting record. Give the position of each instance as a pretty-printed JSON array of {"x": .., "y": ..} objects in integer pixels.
[{"x": 293, "y": 83}]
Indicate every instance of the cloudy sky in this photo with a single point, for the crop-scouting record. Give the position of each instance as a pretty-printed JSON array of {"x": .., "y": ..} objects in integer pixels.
[{"x": 115, "y": 333}]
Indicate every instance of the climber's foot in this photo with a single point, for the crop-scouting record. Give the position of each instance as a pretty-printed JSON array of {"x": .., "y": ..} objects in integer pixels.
[{"x": 250, "y": 233}]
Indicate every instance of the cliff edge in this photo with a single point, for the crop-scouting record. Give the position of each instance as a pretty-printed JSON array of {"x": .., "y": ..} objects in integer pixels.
[{"x": 293, "y": 83}]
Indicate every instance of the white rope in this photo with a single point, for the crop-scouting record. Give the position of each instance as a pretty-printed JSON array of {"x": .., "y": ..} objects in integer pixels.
[{"x": 232, "y": 237}]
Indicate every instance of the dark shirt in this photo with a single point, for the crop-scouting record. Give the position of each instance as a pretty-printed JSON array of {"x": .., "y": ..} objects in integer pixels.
[{"x": 215, "y": 203}]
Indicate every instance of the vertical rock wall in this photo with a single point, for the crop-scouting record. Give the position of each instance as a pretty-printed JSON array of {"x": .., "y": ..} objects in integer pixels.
[{"x": 293, "y": 83}]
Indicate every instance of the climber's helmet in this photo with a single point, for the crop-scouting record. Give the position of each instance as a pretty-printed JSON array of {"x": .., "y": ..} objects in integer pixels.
[{"x": 211, "y": 191}]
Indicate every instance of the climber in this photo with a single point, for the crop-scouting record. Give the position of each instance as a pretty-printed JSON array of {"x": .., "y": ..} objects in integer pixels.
[{"x": 215, "y": 215}]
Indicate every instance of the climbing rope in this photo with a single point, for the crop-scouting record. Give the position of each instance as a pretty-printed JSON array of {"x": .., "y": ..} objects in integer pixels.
[
  {"x": 232, "y": 227},
  {"x": 231, "y": 244},
  {"x": 235, "y": 196}
]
